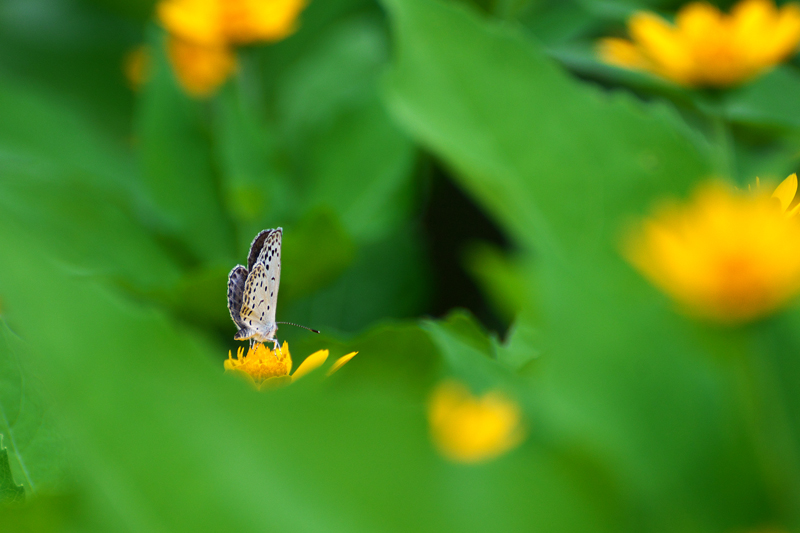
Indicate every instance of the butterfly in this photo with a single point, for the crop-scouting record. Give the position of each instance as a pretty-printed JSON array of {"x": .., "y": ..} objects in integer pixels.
[{"x": 253, "y": 290}]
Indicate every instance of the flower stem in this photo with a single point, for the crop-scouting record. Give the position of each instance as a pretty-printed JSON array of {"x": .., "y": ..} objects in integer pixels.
[
  {"x": 770, "y": 429},
  {"x": 723, "y": 154}
]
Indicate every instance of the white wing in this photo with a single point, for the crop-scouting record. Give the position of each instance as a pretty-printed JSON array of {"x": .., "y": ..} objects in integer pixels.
[
  {"x": 256, "y": 246},
  {"x": 257, "y": 311},
  {"x": 270, "y": 256},
  {"x": 236, "y": 282}
]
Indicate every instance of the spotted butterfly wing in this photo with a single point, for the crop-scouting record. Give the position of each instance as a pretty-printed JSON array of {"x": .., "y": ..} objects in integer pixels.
[
  {"x": 253, "y": 312},
  {"x": 260, "y": 291},
  {"x": 256, "y": 246},
  {"x": 270, "y": 256},
  {"x": 236, "y": 282}
]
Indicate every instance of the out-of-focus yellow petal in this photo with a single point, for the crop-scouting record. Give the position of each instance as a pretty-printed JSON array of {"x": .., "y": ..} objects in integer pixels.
[
  {"x": 698, "y": 19},
  {"x": 312, "y": 362},
  {"x": 200, "y": 69},
  {"x": 230, "y": 22},
  {"x": 470, "y": 429},
  {"x": 786, "y": 32},
  {"x": 621, "y": 53},
  {"x": 663, "y": 45},
  {"x": 727, "y": 256},
  {"x": 248, "y": 21},
  {"x": 754, "y": 14},
  {"x": 197, "y": 21},
  {"x": 339, "y": 363},
  {"x": 786, "y": 191},
  {"x": 708, "y": 48}
]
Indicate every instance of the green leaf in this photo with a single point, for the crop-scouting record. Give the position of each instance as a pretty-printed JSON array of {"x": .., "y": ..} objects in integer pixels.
[
  {"x": 40, "y": 128},
  {"x": 166, "y": 441},
  {"x": 315, "y": 253},
  {"x": 76, "y": 60},
  {"x": 257, "y": 190},
  {"x": 558, "y": 22},
  {"x": 767, "y": 101},
  {"x": 36, "y": 449},
  {"x": 48, "y": 513},
  {"x": 466, "y": 348},
  {"x": 258, "y": 193},
  {"x": 351, "y": 156},
  {"x": 77, "y": 191},
  {"x": 499, "y": 276},
  {"x": 387, "y": 279},
  {"x": 9, "y": 491},
  {"x": 79, "y": 221},
  {"x": 554, "y": 161},
  {"x": 562, "y": 166},
  {"x": 621, "y": 373},
  {"x": 196, "y": 297},
  {"x": 398, "y": 355},
  {"x": 178, "y": 172}
]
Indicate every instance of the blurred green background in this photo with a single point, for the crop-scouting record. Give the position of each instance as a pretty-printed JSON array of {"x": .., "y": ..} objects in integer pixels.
[{"x": 452, "y": 179}]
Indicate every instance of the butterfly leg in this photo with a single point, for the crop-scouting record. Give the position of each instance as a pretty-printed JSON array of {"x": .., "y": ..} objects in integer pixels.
[{"x": 276, "y": 348}]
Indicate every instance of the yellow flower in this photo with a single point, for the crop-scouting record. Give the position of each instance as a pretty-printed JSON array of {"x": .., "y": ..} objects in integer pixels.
[
  {"x": 200, "y": 69},
  {"x": 707, "y": 48},
  {"x": 727, "y": 256},
  {"x": 203, "y": 33},
  {"x": 468, "y": 429},
  {"x": 268, "y": 369},
  {"x": 230, "y": 22}
]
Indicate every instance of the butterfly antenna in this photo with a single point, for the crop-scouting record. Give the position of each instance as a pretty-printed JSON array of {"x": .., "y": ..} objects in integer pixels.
[{"x": 298, "y": 325}]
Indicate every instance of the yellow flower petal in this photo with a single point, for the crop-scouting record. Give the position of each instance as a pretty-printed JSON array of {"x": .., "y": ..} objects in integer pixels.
[
  {"x": 621, "y": 53},
  {"x": 200, "y": 69},
  {"x": 261, "y": 363},
  {"x": 268, "y": 369},
  {"x": 662, "y": 44},
  {"x": 785, "y": 34},
  {"x": 312, "y": 362},
  {"x": 471, "y": 429},
  {"x": 249, "y": 21},
  {"x": 698, "y": 19},
  {"x": 196, "y": 21},
  {"x": 339, "y": 363},
  {"x": 727, "y": 256},
  {"x": 785, "y": 191},
  {"x": 709, "y": 48},
  {"x": 227, "y": 22}
]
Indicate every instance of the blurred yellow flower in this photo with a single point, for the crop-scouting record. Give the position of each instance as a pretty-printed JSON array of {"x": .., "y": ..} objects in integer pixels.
[
  {"x": 268, "y": 369},
  {"x": 200, "y": 69},
  {"x": 707, "y": 48},
  {"x": 727, "y": 256},
  {"x": 230, "y": 22},
  {"x": 471, "y": 429}
]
